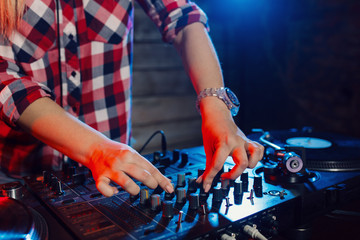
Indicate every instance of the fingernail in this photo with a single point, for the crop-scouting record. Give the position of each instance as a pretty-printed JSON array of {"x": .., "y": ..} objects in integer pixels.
[
  {"x": 169, "y": 188},
  {"x": 207, "y": 187}
]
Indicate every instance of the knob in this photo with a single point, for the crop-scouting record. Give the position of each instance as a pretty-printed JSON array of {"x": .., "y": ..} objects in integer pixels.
[
  {"x": 218, "y": 176},
  {"x": 167, "y": 209},
  {"x": 165, "y": 161},
  {"x": 217, "y": 194},
  {"x": 156, "y": 157},
  {"x": 184, "y": 160},
  {"x": 57, "y": 188},
  {"x": 238, "y": 187},
  {"x": 258, "y": 186},
  {"x": 225, "y": 183},
  {"x": 176, "y": 155},
  {"x": 13, "y": 190},
  {"x": 257, "y": 181},
  {"x": 203, "y": 195},
  {"x": 194, "y": 201},
  {"x": 245, "y": 181},
  {"x": 155, "y": 202},
  {"x": 180, "y": 180},
  {"x": 180, "y": 195},
  {"x": 53, "y": 182},
  {"x": 192, "y": 185},
  {"x": 169, "y": 196},
  {"x": 293, "y": 162},
  {"x": 79, "y": 178},
  {"x": 244, "y": 177},
  {"x": 46, "y": 177},
  {"x": 134, "y": 197},
  {"x": 144, "y": 196}
]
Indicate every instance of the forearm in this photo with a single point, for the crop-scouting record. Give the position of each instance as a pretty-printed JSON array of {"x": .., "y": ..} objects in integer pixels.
[
  {"x": 51, "y": 124},
  {"x": 202, "y": 65},
  {"x": 199, "y": 57}
]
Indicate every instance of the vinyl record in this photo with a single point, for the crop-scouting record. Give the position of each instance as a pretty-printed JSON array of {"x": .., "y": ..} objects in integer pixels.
[
  {"x": 324, "y": 151},
  {"x": 20, "y": 222}
]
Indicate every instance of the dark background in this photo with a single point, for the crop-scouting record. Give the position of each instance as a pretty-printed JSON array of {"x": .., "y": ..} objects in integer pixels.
[{"x": 291, "y": 63}]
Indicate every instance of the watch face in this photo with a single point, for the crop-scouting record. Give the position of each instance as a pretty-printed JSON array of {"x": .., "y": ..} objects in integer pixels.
[{"x": 232, "y": 97}]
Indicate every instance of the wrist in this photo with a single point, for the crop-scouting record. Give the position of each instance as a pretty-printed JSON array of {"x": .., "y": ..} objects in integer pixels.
[
  {"x": 212, "y": 105},
  {"x": 224, "y": 95}
]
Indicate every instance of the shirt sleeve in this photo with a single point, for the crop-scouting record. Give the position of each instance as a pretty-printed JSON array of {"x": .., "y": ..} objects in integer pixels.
[
  {"x": 170, "y": 16},
  {"x": 17, "y": 91}
]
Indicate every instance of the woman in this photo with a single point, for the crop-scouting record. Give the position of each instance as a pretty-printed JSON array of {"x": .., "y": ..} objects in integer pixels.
[{"x": 65, "y": 72}]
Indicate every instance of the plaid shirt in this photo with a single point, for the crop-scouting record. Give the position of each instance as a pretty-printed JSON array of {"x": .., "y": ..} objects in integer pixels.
[{"x": 79, "y": 53}]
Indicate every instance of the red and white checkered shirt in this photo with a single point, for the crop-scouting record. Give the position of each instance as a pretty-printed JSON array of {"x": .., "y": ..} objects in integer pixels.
[{"x": 79, "y": 53}]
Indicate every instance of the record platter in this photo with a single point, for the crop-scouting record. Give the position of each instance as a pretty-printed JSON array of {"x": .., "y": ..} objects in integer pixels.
[
  {"x": 19, "y": 221},
  {"x": 323, "y": 151}
]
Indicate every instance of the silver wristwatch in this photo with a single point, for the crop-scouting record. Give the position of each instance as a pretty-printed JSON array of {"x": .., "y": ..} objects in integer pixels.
[{"x": 225, "y": 94}]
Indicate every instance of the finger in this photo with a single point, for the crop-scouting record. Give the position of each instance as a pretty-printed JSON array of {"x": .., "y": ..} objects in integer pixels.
[
  {"x": 159, "y": 178},
  {"x": 209, "y": 153},
  {"x": 125, "y": 182},
  {"x": 103, "y": 185},
  {"x": 216, "y": 165},
  {"x": 199, "y": 179},
  {"x": 141, "y": 175},
  {"x": 240, "y": 159},
  {"x": 256, "y": 153}
]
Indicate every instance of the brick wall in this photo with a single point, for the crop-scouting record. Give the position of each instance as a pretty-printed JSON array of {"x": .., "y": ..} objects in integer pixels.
[
  {"x": 163, "y": 97},
  {"x": 291, "y": 63}
]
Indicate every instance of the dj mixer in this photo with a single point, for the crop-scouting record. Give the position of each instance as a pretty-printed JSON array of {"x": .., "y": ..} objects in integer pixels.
[{"x": 280, "y": 193}]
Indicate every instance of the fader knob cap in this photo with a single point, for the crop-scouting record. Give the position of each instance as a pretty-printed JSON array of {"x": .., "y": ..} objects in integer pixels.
[
  {"x": 176, "y": 155},
  {"x": 57, "y": 188},
  {"x": 257, "y": 181},
  {"x": 169, "y": 196},
  {"x": 156, "y": 157},
  {"x": 180, "y": 195},
  {"x": 238, "y": 190},
  {"x": 225, "y": 183},
  {"x": 181, "y": 180},
  {"x": 244, "y": 177},
  {"x": 217, "y": 194},
  {"x": 194, "y": 201},
  {"x": 184, "y": 160},
  {"x": 144, "y": 196},
  {"x": 167, "y": 209},
  {"x": 155, "y": 202},
  {"x": 192, "y": 185}
]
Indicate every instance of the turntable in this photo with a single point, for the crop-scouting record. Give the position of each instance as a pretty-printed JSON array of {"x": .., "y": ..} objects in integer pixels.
[
  {"x": 322, "y": 151},
  {"x": 18, "y": 221}
]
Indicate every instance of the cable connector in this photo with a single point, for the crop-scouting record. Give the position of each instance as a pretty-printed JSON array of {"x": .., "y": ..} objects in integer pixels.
[
  {"x": 253, "y": 232},
  {"x": 228, "y": 237}
]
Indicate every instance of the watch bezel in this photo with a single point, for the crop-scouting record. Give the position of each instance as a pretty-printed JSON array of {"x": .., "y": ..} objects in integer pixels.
[{"x": 232, "y": 97}]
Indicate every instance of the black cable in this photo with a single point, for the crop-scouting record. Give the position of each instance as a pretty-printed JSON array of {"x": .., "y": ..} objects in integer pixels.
[{"x": 163, "y": 142}]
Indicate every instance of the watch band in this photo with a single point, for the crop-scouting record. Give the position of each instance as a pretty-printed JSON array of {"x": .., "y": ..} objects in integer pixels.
[{"x": 224, "y": 94}]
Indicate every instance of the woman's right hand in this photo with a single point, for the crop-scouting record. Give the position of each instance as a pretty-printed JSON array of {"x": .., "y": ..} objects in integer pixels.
[{"x": 117, "y": 162}]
